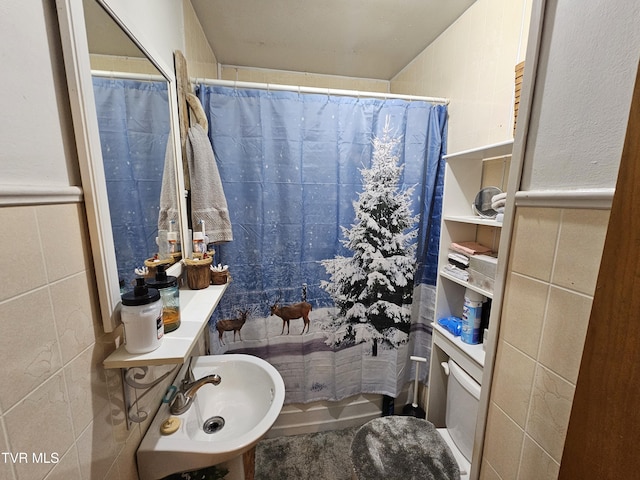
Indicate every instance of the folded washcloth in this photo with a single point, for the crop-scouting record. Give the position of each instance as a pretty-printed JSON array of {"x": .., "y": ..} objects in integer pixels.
[
  {"x": 458, "y": 259},
  {"x": 456, "y": 272},
  {"x": 469, "y": 248}
]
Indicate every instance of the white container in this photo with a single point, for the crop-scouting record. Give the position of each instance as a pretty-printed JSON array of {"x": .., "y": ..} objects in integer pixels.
[
  {"x": 471, "y": 317},
  {"x": 142, "y": 317}
]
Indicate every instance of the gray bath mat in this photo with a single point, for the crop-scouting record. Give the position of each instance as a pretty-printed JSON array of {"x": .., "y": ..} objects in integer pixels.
[
  {"x": 314, "y": 456},
  {"x": 402, "y": 448}
]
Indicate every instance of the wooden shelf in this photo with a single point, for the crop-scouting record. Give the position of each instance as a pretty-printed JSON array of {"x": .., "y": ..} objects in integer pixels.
[{"x": 196, "y": 306}]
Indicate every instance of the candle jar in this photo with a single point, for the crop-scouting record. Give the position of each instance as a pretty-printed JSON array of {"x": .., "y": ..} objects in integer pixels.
[{"x": 167, "y": 285}]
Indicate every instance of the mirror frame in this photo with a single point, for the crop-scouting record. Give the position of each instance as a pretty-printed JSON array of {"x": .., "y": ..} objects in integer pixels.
[{"x": 83, "y": 111}]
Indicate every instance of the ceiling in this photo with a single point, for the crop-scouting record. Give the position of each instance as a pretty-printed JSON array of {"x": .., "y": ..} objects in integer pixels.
[{"x": 354, "y": 38}]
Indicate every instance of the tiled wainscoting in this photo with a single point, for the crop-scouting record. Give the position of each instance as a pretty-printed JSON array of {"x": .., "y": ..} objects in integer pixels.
[
  {"x": 57, "y": 402},
  {"x": 553, "y": 267}
]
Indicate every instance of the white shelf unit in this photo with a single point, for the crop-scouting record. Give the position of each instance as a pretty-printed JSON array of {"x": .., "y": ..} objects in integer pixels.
[{"x": 465, "y": 174}]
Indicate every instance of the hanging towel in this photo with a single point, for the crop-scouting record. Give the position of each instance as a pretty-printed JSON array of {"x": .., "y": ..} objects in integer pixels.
[
  {"x": 168, "y": 195},
  {"x": 208, "y": 202}
]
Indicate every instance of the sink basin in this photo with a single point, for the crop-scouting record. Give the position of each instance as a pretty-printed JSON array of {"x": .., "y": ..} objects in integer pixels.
[{"x": 224, "y": 421}]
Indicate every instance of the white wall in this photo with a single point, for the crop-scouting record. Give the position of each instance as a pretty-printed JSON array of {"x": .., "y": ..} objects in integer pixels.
[
  {"x": 586, "y": 71},
  {"x": 158, "y": 24},
  {"x": 37, "y": 135},
  {"x": 473, "y": 64}
]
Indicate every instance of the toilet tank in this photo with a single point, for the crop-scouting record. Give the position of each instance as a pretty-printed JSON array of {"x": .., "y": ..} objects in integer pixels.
[{"x": 463, "y": 396}]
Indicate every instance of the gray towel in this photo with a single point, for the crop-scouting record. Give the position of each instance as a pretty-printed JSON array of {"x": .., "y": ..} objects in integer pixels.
[
  {"x": 168, "y": 195},
  {"x": 208, "y": 202}
]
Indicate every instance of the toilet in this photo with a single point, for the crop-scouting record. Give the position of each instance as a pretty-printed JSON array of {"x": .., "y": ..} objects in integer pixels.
[
  {"x": 463, "y": 397},
  {"x": 407, "y": 447}
]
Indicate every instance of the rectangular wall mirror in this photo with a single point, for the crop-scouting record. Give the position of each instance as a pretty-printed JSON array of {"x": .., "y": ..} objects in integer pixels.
[{"x": 124, "y": 105}]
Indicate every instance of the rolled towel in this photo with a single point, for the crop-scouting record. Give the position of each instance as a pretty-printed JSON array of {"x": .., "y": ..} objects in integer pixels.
[
  {"x": 498, "y": 202},
  {"x": 499, "y": 196}
]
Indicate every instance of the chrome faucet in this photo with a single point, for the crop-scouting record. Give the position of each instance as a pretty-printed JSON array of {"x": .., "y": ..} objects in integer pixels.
[
  {"x": 187, "y": 394},
  {"x": 188, "y": 377}
]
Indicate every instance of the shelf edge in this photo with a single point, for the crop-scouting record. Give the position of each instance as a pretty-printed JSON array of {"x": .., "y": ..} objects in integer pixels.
[
  {"x": 462, "y": 283},
  {"x": 486, "y": 151}
]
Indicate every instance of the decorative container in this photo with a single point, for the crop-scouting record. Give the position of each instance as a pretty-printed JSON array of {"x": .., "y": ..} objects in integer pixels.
[
  {"x": 220, "y": 278},
  {"x": 198, "y": 269},
  {"x": 152, "y": 265}
]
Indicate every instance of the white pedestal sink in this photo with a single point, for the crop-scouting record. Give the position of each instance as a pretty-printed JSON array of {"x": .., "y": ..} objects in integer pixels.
[{"x": 237, "y": 413}]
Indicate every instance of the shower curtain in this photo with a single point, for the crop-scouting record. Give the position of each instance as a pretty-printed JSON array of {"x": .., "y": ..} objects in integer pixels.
[
  {"x": 292, "y": 167},
  {"x": 133, "y": 120}
]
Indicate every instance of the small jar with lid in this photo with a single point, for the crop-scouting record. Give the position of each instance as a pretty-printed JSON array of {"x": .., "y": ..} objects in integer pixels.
[
  {"x": 142, "y": 317},
  {"x": 167, "y": 285}
]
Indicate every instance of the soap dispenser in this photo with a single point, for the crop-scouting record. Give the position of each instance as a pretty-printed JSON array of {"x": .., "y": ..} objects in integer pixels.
[
  {"x": 142, "y": 317},
  {"x": 167, "y": 285}
]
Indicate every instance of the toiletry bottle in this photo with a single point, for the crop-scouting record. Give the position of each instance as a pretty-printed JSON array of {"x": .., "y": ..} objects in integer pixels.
[
  {"x": 471, "y": 317},
  {"x": 167, "y": 285},
  {"x": 142, "y": 317},
  {"x": 199, "y": 246},
  {"x": 172, "y": 238},
  {"x": 174, "y": 244}
]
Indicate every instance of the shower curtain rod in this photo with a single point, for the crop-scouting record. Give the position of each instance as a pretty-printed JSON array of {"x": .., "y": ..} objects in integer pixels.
[
  {"x": 148, "y": 77},
  {"x": 325, "y": 91}
]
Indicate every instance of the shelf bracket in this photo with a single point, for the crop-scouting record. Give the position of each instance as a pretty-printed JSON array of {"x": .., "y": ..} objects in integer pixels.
[{"x": 133, "y": 379}]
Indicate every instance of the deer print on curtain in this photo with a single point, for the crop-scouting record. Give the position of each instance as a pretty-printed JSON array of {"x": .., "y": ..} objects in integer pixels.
[{"x": 293, "y": 167}]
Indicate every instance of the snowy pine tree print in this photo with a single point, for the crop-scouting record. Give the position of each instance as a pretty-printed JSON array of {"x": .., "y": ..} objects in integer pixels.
[{"x": 373, "y": 288}]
